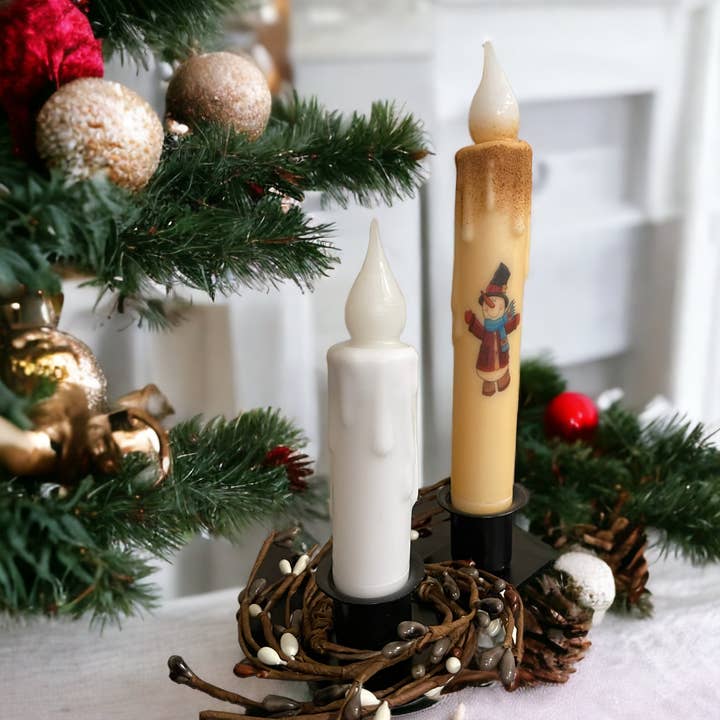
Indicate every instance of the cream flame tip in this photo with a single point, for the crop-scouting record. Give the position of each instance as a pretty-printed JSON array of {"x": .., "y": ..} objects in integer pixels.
[
  {"x": 494, "y": 112},
  {"x": 375, "y": 310}
]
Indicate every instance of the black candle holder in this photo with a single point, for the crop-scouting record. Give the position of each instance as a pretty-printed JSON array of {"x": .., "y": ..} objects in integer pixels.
[
  {"x": 369, "y": 623},
  {"x": 485, "y": 539}
]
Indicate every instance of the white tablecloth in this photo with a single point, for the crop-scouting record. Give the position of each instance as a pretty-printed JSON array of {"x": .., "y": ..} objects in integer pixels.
[{"x": 666, "y": 667}]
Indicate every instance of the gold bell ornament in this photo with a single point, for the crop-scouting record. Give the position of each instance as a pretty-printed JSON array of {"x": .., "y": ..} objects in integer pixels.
[{"x": 74, "y": 432}]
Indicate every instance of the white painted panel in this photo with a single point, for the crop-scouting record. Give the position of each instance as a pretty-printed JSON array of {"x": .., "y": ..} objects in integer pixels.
[
  {"x": 353, "y": 84},
  {"x": 578, "y": 298},
  {"x": 712, "y": 410},
  {"x": 333, "y": 30},
  {"x": 696, "y": 271}
]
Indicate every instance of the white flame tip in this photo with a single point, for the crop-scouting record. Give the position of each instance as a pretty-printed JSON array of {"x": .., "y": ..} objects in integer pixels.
[
  {"x": 375, "y": 309},
  {"x": 494, "y": 113}
]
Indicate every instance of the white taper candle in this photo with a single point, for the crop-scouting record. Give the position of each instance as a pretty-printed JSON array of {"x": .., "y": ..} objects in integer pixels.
[{"x": 372, "y": 394}]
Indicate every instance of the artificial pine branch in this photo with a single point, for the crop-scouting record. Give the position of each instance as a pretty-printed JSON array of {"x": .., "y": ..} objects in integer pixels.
[
  {"x": 365, "y": 158},
  {"x": 675, "y": 469},
  {"x": 304, "y": 147},
  {"x": 665, "y": 475},
  {"x": 217, "y": 250},
  {"x": 220, "y": 482},
  {"x": 85, "y": 548},
  {"x": 50, "y": 563},
  {"x": 170, "y": 28},
  {"x": 214, "y": 216}
]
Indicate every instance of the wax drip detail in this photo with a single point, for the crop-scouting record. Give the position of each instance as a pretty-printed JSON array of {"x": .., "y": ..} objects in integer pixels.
[
  {"x": 489, "y": 187},
  {"x": 383, "y": 435}
]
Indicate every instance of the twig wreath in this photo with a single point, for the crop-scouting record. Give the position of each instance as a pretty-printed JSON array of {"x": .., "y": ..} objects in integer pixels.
[{"x": 484, "y": 633}]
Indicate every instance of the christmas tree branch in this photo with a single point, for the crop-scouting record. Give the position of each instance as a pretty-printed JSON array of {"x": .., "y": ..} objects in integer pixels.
[
  {"x": 304, "y": 148},
  {"x": 170, "y": 28},
  {"x": 86, "y": 548},
  {"x": 215, "y": 251},
  {"x": 665, "y": 475},
  {"x": 51, "y": 564},
  {"x": 674, "y": 481},
  {"x": 365, "y": 158},
  {"x": 215, "y": 215},
  {"x": 220, "y": 482}
]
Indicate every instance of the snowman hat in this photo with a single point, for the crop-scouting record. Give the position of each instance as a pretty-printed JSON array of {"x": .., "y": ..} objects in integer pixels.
[{"x": 497, "y": 286}]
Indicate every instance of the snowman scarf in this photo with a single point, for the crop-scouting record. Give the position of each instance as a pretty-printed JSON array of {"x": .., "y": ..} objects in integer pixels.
[{"x": 498, "y": 326}]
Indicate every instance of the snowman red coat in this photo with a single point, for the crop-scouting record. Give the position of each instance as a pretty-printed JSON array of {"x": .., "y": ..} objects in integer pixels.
[{"x": 491, "y": 356}]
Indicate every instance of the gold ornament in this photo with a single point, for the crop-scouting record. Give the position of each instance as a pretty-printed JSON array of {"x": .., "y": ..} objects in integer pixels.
[
  {"x": 68, "y": 442},
  {"x": 74, "y": 431},
  {"x": 33, "y": 348},
  {"x": 91, "y": 125},
  {"x": 149, "y": 399},
  {"x": 222, "y": 88},
  {"x": 25, "y": 452}
]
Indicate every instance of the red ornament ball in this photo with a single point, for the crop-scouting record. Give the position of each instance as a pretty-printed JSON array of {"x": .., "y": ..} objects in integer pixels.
[
  {"x": 45, "y": 44},
  {"x": 571, "y": 416}
]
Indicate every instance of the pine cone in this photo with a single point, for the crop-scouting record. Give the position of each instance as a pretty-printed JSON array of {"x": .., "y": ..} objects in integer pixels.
[
  {"x": 622, "y": 546},
  {"x": 556, "y": 630}
]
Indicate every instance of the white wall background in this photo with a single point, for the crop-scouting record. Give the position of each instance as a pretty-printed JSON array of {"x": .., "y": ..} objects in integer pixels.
[{"x": 619, "y": 101}]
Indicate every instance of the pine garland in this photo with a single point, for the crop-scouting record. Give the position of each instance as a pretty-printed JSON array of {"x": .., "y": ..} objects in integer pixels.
[
  {"x": 85, "y": 550},
  {"x": 89, "y": 549},
  {"x": 170, "y": 28},
  {"x": 214, "y": 216},
  {"x": 665, "y": 475}
]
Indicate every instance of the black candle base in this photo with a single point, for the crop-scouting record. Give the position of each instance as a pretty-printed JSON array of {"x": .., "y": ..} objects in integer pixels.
[
  {"x": 369, "y": 623},
  {"x": 485, "y": 539}
]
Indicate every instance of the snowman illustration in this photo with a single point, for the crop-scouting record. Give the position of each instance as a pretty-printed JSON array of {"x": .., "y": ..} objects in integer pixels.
[{"x": 499, "y": 319}]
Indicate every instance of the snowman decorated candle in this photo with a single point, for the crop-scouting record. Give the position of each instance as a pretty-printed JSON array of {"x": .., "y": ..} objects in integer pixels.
[
  {"x": 372, "y": 432},
  {"x": 492, "y": 233}
]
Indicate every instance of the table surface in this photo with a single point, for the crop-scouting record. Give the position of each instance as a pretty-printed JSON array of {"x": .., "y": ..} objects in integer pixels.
[{"x": 665, "y": 667}]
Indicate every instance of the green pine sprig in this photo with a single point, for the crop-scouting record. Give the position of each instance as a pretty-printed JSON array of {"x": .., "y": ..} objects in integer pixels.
[
  {"x": 169, "y": 28},
  {"x": 89, "y": 549},
  {"x": 665, "y": 475},
  {"x": 214, "y": 217},
  {"x": 50, "y": 563}
]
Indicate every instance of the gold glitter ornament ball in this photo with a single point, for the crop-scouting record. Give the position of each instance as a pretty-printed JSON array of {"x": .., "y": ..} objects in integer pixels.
[
  {"x": 91, "y": 125},
  {"x": 221, "y": 88}
]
